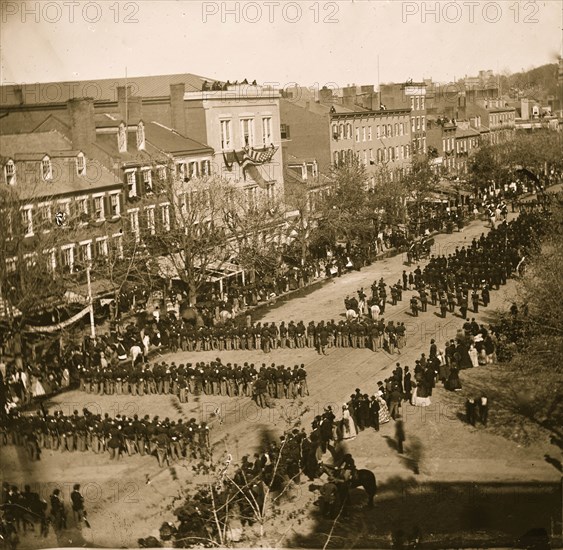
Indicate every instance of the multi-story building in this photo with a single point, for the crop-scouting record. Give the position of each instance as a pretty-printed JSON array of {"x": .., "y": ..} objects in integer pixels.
[
  {"x": 146, "y": 131},
  {"x": 70, "y": 206},
  {"x": 409, "y": 95},
  {"x": 322, "y": 135}
]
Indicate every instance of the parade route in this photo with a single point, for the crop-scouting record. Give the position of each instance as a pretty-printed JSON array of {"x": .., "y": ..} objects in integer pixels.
[{"x": 134, "y": 495}]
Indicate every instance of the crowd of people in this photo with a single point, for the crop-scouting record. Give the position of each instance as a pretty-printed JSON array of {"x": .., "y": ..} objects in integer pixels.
[
  {"x": 23, "y": 509},
  {"x": 183, "y": 380},
  {"x": 117, "y": 435}
]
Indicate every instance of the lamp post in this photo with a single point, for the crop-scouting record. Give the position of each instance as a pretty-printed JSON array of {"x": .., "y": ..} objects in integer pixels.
[{"x": 90, "y": 301}]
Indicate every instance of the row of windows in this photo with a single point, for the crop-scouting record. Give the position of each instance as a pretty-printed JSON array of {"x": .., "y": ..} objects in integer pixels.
[
  {"x": 418, "y": 124},
  {"x": 72, "y": 257},
  {"x": 46, "y": 169},
  {"x": 502, "y": 118},
  {"x": 365, "y": 133},
  {"x": 385, "y": 154},
  {"x": 247, "y": 135},
  {"x": 417, "y": 103}
]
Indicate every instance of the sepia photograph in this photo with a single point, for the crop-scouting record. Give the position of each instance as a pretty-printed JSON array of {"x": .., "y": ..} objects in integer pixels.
[{"x": 281, "y": 274}]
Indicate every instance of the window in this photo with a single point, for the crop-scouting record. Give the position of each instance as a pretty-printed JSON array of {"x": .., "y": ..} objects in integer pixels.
[
  {"x": 161, "y": 172},
  {"x": 131, "y": 184},
  {"x": 267, "y": 138},
  {"x": 151, "y": 226},
  {"x": 396, "y": 129},
  {"x": 412, "y": 103},
  {"x": 423, "y": 122},
  {"x": 67, "y": 258},
  {"x": 205, "y": 167},
  {"x": 401, "y": 129},
  {"x": 27, "y": 220},
  {"x": 193, "y": 170},
  {"x": 182, "y": 171},
  {"x": 82, "y": 206},
  {"x": 250, "y": 193},
  {"x": 134, "y": 222},
  {"x": 64, "y": 207},
  {"x": 396, "y": 156},
  {"x": 371, "y": 159},
  {"x": 247, "y": 132},
  {"x": 99, "y": 213},
  {"x": 147, "y": 180},
  {"x": 389, "y": 130},
  {"x": 384, "y": 131},
  {"x": 226, "y": 142},
  {"x": 102, "y": 247},
  {"x": 51, "y": 257},
  {"x": 369, "y": 133},
  {"x": 357, "y": 134},
  {"x": 417, "y": 103},
  {"x": 402, "y": 151},
  {"x": 364, "y": 133},
  {"x": 115, "y": 205},
  {"x": 336, "y": 158},
  {"x": 284, "y": 131},
  {"x": 378, "y": 132},
  {"x": 349, "y": 131},
  {"x": 118, "y": 245},
  {"x": 80, "y": 164},
  {"x": 45, "y": 214},
  {"x": 46, "y": 169},
  {"x": 10, "y": 172},
  {"x": 122, "y": 138},
  {"x": 315, "y": 169},
  {"x": 422, "y": 103},
  {"x": 271, "y": 194},
  {"x": 379, "y": 156},
  {"x": 85, "y": 252},
  {"x": 335, "y": 131},
  {"x": 365, "y": 157},
  {"x": 165, "y": 212},
  {"x": 140, "y": 136},
  {"x": 413, "y": 124}
]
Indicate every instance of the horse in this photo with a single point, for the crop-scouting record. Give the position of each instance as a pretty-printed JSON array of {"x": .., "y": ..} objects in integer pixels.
[{"x": 362, "y": 477}]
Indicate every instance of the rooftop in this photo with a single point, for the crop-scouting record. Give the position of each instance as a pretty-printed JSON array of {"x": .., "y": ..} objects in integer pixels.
[{"x": 100, "y": 90}]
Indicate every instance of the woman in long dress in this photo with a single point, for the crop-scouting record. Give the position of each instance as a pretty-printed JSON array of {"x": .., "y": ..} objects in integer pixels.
[
  {"x": 453, "y": 383},
  {"x": 420, "y": 397},
  {"x": 474, "y": 355},
  {"x": 348, "y": 428},
  {"x": 384, "y": 415}
]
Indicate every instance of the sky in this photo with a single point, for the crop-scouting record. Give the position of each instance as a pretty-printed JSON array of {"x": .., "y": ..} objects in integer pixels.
[{"x": 279, "y": 41}]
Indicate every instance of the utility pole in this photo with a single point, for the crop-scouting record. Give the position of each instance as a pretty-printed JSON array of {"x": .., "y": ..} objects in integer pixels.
[{"x": 90, "y": 302}]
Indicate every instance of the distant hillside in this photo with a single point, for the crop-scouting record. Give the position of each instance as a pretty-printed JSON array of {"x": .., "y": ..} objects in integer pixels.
[{"x": 537, "y": 83}]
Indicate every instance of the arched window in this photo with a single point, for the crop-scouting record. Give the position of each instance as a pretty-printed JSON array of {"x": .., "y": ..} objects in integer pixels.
[
  {"x": 140, "y": 136},
  {"x": 46, "y": 168},
  {"x": 122, "y": 138},
  {"x": 341, "y": 131},
  {"x": 80, "y": 164},
  {"x": 10, "y": 172},
  {"x": 349, "y": 131}
]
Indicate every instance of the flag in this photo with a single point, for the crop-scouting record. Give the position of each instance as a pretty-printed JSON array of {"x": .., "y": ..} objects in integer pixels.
[{"x": 255, "y": 157}]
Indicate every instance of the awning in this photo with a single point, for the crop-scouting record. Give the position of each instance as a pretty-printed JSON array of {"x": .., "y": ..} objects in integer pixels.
[
  {"x": 79, "y": 294},
  {"x": 216, "y": 271}
]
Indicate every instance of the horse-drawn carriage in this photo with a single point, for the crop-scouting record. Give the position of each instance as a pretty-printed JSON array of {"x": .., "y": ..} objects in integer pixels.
[{"x": 420, "y": 249}]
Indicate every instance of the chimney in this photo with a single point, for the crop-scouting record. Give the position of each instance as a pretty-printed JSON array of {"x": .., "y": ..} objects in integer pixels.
[
  {"x": 82, "y": 126},
  {"x": 325, "y": 95},
  {"x": 177, "y": 109},
  {"x": 130, "y": 107}
]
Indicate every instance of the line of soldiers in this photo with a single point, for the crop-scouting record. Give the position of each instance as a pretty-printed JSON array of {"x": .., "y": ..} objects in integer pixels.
[
  {"x": 119, "y": 435},
  {"x": 211, "y": 378},
  {"x": 267, "y": 336}
]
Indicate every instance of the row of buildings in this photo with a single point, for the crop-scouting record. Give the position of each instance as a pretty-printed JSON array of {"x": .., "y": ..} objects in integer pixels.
[{"x": 100, "y": 155}]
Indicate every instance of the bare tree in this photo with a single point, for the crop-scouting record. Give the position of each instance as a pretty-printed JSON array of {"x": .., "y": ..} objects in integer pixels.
[
  {"x": 191, "y": 239},
  {"x": 254, "y": 220}
]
